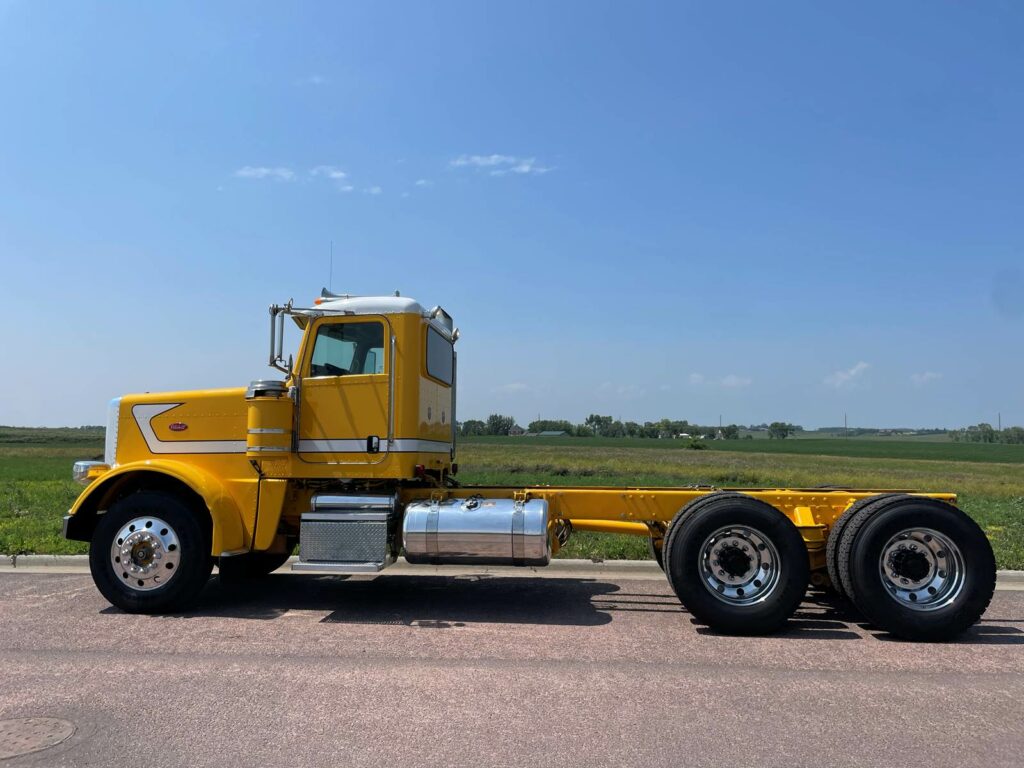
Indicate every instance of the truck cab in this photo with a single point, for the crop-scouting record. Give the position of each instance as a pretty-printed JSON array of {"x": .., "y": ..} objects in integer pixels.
[{"x": 367, "y": 401}]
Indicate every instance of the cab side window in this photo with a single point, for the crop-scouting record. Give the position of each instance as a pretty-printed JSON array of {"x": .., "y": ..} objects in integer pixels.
[
  {"x": 344, "y": 349},
  {"x": 440, "y": 357}
]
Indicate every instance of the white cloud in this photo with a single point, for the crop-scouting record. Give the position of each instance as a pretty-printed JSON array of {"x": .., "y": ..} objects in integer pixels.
[
  {"x": 848, "y": 377},
  {"x": 922, "y": 379},
  {"x": 501, "y": 165},
  {"x": 482, "y": 161},
  {"x": 345, "y": 188},
  {"x": 665, "y": 388},
  {"x": 313, "y": 79},
  {"x": 373, "y": 190},
  {"x": 329, "y": 171},
  {"x": 527, "y": 165},
  {"x": 732, "y": 381},
  {"x": 404, "y": 194},
  {"x": 278, "y": 173},
  {"x": 424, "y": 183},
  {"x": 696, "y": 379}
]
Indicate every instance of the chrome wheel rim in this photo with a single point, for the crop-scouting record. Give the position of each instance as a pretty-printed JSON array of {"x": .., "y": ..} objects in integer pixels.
[
  {"x": 922, "y": 569},
  {"x": 145, "y": 553},
  {"x": 739, "y": 565}
]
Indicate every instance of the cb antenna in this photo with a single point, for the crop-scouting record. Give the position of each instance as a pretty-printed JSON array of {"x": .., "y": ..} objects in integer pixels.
[{"x": 330, "y": 275}]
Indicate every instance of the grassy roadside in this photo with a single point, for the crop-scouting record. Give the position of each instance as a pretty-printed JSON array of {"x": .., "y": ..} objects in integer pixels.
[
  {"x": 855, "y": 447},
  {"x": 993, "y": 494},
  {"x": 35, "y": 485}
]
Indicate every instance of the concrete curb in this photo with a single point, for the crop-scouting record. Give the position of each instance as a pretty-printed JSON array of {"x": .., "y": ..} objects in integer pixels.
[{"x": 558, "y": 569}]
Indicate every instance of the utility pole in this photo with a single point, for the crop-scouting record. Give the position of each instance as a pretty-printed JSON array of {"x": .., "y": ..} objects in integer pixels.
[{"x": 999, "y": 418}]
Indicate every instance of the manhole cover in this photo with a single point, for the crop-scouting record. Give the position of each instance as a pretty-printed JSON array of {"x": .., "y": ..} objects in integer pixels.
[{"x": 32, "y": 734}]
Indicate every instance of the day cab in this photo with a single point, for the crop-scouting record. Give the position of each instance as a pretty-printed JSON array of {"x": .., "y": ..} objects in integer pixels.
[{"x": 349, "y": 458}]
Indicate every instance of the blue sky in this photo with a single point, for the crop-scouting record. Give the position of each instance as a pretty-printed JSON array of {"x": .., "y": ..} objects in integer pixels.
[{"x": 759, "y": 211}]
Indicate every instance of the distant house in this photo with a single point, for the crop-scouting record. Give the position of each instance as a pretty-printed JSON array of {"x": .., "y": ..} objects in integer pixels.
[
  {"x": 517, "y": 431},
  {"x": 552, "y": 433}
]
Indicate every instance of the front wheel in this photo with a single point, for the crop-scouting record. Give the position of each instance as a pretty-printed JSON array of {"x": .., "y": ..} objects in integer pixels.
[
  {"x": 738, "y": 565},
  {"x": 150, "y": 553}
]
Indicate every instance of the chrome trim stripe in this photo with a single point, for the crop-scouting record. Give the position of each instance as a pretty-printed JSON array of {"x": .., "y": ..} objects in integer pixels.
[
  {"x": 146, "y": 412},
  {"x": 267, "y": 431},
  {"x": 401, "y": 445}
]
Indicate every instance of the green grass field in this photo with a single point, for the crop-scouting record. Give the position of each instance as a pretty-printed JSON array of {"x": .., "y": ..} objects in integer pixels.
[
  {"x": 859, "y": 447},
  {"x": 36, "y": 490}
]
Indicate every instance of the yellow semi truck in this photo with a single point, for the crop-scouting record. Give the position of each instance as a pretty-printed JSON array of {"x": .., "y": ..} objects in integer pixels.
[{"x": 350, "y": 456}]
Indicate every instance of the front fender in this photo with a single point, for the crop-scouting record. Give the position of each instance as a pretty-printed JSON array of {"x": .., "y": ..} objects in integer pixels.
[{"x": 228, "y": 531}]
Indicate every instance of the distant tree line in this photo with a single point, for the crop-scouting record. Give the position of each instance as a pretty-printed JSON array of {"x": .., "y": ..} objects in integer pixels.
[
  {"x": 986, "y": 433},
  {"x": 596, "y": 425}
]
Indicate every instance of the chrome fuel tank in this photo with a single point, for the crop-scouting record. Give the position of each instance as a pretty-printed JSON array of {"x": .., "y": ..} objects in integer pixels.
[{"x": 477, "y": 531}]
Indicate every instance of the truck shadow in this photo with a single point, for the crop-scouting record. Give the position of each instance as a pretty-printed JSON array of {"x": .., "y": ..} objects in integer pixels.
[
  {"x": 442, "y": 602},
  {"x": 424, "y": 601},
  {"x": 825, "y": 616}
]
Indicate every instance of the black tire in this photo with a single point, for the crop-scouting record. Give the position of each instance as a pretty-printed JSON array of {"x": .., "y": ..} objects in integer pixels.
[
  {"x": 657, "y": 552},
  {"x": 845, "y": 539},
  {"x": 861, "y": 560},
  {"x": 193, "y": 554},
  {"x": 252, "y": 565},
  {"x": 683, "y": 515},
  {"x": 789, "y": 570},
  {"x": 832, "y": 548}
]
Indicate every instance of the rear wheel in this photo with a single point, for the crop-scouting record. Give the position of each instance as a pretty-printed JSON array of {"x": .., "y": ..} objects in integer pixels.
[
  {"x": 738, "y": 565},
  {"x": 834, "y": 536},
  {"x": 684, "y": 514},
  {"x": 150, "y": 553},
  {"x": 918, "y": 568}
]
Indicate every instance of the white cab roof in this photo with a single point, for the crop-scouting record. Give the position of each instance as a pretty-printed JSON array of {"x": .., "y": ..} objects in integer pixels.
[
  {"x": 376, "y": 305},
  {"x": 372, "y": 305}
]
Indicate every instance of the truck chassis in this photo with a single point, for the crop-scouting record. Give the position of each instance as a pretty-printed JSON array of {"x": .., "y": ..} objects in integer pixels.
[{"x": 352, "y": 459}]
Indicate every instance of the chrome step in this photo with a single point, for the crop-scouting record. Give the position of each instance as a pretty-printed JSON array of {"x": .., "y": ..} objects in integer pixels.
[{"x": 342, "y": 567}]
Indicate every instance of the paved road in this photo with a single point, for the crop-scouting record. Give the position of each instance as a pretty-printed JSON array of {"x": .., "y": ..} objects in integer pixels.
[{"x": 468, "y": 670}]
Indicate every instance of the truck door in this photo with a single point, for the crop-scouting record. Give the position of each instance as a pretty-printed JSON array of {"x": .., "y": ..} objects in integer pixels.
[{"x": 343, "y": 402}]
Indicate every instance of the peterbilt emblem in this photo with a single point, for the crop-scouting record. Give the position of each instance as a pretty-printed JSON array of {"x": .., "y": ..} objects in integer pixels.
[{"x": 178, "y": 426}]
